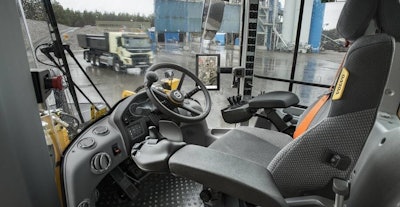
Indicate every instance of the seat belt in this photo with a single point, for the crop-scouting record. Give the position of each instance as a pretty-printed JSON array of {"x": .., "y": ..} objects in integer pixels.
[{"x": 305, "y": 123}]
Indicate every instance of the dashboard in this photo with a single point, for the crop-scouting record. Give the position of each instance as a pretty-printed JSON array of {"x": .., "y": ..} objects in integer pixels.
[
  {"x": 133, "y": 117},
  {"x": 103, "y": 145}
]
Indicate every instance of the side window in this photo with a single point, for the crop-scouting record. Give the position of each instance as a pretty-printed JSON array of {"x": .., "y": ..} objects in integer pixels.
[
  {"x": 119, "y": 42},
  {"x": 320, "y": 49}
]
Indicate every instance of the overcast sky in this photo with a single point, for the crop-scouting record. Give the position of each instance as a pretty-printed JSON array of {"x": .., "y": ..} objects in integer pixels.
[
  {"x": 145, "y": 7},
  {"x": 332, "y": 11}
]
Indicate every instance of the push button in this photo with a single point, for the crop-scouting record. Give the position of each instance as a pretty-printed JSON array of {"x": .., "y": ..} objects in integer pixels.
[{"x": 101, "y": 130}]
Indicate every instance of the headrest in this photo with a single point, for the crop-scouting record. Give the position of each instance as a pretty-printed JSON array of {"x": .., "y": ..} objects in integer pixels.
[
  {"x": 355, "y": 18},
  {"x": 389, "y": 17},
  {"x": 357, "y": 15}
]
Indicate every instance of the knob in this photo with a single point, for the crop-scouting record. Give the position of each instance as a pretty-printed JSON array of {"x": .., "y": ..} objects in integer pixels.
[{"x": 151, "y": 77}]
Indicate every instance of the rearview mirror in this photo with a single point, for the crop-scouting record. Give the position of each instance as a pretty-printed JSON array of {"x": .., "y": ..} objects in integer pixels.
[
  {"x": 213, "y": 11},
  {"x": 207, "y": 70}
]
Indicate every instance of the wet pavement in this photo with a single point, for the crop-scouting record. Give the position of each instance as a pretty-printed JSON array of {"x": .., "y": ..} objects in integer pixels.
[
  {"x": 317, "y": 68},
  {"x": 314, "y": 68}
]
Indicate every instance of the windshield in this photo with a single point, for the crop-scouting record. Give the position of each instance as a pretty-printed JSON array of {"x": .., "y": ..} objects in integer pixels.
[
  {"x": 132, "y": 43},
  {"x": 93, "y": 30}
]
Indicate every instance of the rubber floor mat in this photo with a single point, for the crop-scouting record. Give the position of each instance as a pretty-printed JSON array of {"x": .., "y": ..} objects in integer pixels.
[{"x": 157, "y": 190}]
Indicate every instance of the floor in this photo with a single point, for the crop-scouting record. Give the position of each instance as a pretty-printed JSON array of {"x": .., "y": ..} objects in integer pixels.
[{"x": 156, "y": 190}]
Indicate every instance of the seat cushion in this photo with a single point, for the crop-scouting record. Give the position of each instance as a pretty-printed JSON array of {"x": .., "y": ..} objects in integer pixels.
[{"x": 253, "y": 144}]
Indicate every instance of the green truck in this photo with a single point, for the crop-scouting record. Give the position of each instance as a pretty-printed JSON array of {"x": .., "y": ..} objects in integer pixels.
[{"x": 119, "y": 50}]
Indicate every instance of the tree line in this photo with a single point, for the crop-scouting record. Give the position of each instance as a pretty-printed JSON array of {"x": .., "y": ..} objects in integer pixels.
[{"x": 34, "y": 10}]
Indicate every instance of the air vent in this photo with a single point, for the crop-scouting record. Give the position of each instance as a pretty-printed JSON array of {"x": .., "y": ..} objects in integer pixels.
[
  {"x": 84, "y": 203},
  {"x": 100, "y": 163}
]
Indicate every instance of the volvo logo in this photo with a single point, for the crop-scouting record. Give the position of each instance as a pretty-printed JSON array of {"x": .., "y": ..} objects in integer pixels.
[{"x": 177, "y": 94}]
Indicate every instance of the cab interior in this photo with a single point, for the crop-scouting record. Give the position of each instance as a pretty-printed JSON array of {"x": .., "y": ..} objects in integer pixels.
[{"x": 155, "y": 147}]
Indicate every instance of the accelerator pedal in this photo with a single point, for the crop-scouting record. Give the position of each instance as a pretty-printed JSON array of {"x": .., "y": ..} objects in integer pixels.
[{"x": 125, "y": 183}]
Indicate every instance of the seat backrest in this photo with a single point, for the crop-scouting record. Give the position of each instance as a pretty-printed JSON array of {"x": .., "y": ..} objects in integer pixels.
[
  {"x": 351, "y": 25},
  {"x": 331, "y": 148},
  {"x": 375, "y": 179}
]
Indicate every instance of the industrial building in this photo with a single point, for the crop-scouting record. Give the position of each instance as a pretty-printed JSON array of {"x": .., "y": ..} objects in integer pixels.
[{"x": 181, "y": 22}]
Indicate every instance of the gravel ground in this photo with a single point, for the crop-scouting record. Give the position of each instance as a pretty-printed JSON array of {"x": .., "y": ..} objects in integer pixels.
[{"x": 39, "y": 33}]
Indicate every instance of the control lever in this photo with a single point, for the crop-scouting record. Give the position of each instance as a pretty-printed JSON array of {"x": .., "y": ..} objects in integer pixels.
[
  {"x": 341, "y": 189},
  {"x": 151, "y": 77},
  {"x": 169, "y": 74},
  {"x": 239, "y": 97},
  {"x": 153, "y": 138},
  {"x": 230, "y": 100},
  {"x": 235, "y": 100},
  {"x": 154, "y": 135}
]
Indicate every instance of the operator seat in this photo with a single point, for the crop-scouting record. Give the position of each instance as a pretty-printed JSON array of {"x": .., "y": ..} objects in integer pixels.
[{"x": 331, "y": 147}]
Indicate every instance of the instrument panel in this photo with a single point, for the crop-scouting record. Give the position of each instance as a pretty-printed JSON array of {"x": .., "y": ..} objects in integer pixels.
[{"x": 135, "y": 118}]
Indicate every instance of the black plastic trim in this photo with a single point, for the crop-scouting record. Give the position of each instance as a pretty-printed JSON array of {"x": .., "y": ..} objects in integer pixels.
[{"x": 292, "y": 81}]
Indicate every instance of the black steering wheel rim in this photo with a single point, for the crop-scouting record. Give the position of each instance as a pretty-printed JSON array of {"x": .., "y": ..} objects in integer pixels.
[{"x": 164, "y": 109}]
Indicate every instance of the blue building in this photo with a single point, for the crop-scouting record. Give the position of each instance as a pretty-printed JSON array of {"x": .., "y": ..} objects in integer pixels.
[{"x": 178, "y": 20}]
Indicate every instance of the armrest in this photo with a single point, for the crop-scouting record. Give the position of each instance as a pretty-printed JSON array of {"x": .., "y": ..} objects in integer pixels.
[
  {"x": 228, "y": 174},
  {"x": 275, "y": 99}
]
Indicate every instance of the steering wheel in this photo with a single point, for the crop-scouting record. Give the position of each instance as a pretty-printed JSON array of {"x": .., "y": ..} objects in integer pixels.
[{"x": 166, "y": 101}]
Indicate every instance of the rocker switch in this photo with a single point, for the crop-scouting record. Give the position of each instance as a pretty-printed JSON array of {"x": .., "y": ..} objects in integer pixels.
[
  {"x": 335, "y": 159},
  {"x": 116, "y": 150}
]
